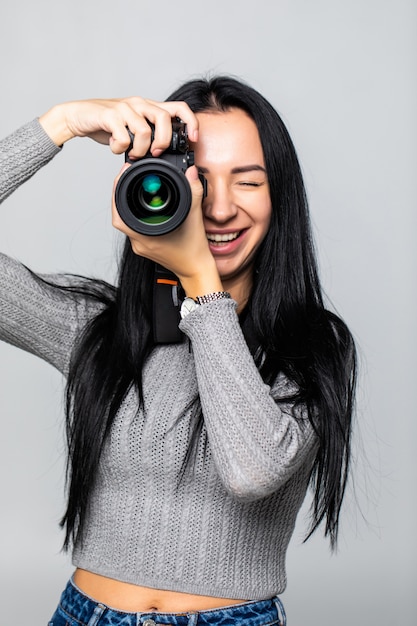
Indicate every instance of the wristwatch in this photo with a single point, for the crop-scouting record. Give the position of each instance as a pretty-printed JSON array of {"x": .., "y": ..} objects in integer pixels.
[{"x": 189, "y": 304}]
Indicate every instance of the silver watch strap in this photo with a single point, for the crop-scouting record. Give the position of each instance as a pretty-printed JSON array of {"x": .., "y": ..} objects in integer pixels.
[{"x": 212, "y": 297}]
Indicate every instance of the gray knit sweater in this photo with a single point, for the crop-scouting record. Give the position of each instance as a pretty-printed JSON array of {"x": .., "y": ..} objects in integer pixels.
[{"x": 224, "y": 529}]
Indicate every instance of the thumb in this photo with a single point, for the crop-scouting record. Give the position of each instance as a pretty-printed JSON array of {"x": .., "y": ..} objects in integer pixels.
[{"x": 195, "y": 182}]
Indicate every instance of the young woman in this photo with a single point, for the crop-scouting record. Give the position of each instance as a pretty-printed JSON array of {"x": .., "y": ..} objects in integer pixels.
[{"x": 189, "y": 461}]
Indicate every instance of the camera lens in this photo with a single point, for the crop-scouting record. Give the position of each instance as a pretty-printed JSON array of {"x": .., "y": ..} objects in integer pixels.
[
  {"x": 153, "y": 197},
  {"x": 154, "y": 194}
]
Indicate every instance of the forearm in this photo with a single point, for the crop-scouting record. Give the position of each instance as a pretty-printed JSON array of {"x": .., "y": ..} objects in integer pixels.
[
  {"x": 257, "y": 442},
  {"x": 202, "y": 283},
  {"x": 22, "y": 154}
]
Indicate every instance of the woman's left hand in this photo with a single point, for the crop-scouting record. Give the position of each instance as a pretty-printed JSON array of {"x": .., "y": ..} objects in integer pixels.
[{"x": 184, "y": 251}]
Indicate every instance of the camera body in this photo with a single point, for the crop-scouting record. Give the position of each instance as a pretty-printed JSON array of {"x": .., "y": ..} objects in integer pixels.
[{"x": 153, "y": 196}]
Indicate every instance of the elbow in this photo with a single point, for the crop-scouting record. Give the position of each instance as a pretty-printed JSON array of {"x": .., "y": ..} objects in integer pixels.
[
  {"x": 250, "y": 489},
  {"x": 251, "y": 483}
]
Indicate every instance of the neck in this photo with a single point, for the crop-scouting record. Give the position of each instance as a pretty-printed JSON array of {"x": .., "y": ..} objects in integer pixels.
[{"x": 240, "y": 288}]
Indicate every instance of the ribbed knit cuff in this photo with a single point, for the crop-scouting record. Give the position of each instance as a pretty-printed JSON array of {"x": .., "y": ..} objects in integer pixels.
[{"x": 212, "y": 316}]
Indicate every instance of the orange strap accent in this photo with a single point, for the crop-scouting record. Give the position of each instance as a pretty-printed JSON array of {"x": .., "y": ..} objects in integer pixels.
[{"x": 166, "y": 281}]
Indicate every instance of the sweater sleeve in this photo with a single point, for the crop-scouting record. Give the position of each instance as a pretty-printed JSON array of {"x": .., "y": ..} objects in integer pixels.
[
  {"x": 22, "y": 154},
  {"x": 35, "y": 316},
  {"x": 257, "y": 442},
  {"x": 39, "y": 317}
]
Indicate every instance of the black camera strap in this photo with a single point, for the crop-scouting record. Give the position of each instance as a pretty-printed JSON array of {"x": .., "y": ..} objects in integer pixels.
[{"x": 166, "y": 306}]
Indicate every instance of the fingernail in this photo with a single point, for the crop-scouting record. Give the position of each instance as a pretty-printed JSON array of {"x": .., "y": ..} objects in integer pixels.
[{"x": 193, "y": 172}]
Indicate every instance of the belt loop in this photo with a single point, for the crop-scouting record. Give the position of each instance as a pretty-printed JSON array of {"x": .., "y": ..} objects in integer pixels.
[
  {"x": 281, "y": 611},
  {"x": 192, "y": 619},
  {"x": 98, "y": 612}
]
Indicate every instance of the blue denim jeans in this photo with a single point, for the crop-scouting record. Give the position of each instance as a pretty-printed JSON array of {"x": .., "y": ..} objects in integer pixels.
[{"x": 77, "y": 609}]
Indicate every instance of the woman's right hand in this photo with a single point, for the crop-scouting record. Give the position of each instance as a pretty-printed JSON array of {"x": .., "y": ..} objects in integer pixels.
[{"x": 107, "y": 121}]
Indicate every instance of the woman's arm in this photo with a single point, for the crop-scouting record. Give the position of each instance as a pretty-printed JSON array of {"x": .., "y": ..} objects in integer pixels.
[
  {"x": 33, "y": 145},
  {"x": 34, "y": 315},
  {"x": 107, "y": 121},
  {"x": 257, "y": 442},
  {"x": 39, "y": 317},
  {"x": 22, "y": 154}
]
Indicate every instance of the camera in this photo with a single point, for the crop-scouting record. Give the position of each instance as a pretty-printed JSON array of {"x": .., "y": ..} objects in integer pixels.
[{"x": 153, "y": 196}]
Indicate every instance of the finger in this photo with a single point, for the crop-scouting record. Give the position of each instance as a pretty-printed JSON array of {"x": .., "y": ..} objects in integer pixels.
[
  {"x": 195, "y": 183},
  {"x": 178, "y": 108},
  {"x": 137, "y": 116},
  {"x": 162, "y": 133},
  {"x": 155, "y": 112},
  {"x": 119, "y": 140},
  {"x": 116, "y": 180},
  {"x": 117, "y": 221},
  {"x": 125, "y": 119}
]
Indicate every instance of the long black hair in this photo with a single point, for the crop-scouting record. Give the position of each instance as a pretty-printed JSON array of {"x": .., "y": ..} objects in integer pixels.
[{"x": 285, "y": 319}]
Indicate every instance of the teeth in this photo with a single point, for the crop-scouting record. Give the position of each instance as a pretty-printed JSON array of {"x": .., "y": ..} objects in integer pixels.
[{"x": 217, "y": 238}]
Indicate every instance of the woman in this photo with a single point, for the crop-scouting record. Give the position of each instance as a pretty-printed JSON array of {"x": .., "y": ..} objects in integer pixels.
[{"x": 188, "y": 462}]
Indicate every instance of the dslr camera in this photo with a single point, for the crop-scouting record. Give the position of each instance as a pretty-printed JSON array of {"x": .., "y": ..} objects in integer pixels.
[{"x": 153, "y": 196}]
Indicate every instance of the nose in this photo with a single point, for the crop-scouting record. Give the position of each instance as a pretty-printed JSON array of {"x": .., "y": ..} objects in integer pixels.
[{"x": 218, "y": 205}]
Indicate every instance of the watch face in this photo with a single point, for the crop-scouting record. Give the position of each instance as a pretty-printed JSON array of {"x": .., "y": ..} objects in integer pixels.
[{"x": 187, "y": 306}]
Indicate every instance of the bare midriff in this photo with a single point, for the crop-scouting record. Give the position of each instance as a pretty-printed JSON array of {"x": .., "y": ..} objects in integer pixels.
[{"x": 137, "y": 599}]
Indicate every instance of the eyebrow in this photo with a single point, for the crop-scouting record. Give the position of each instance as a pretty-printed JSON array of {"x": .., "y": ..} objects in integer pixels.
[{"x": 238, "y": 170}]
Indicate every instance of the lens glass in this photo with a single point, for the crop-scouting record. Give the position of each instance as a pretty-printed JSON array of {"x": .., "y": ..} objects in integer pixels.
[
  {"x": 154, "y": 193},
  {"x": 153, "y": 198}
]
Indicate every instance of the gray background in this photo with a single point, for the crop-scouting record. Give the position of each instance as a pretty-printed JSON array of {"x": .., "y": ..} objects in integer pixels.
[{"x": 342, "y": 74}]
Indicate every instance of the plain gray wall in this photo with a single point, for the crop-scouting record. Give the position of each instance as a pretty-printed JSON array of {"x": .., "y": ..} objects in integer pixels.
[{"x": 342, "y": 74}]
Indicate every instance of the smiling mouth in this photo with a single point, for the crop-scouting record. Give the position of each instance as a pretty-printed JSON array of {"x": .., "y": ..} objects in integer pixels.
[{"x": 218, "y": 240}]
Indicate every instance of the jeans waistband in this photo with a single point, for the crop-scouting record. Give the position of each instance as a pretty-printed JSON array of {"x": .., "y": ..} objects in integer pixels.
[{"x": 87, "y": 612}]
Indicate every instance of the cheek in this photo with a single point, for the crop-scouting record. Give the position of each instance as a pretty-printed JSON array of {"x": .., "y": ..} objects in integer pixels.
[
  {"x": 263, "y": 213},
  {"x": 268, "y": 215}
]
